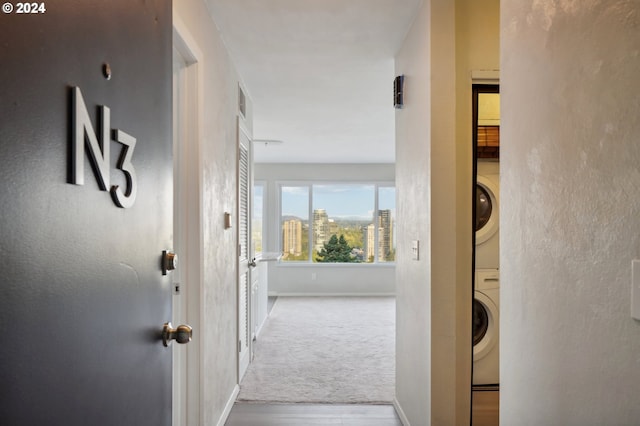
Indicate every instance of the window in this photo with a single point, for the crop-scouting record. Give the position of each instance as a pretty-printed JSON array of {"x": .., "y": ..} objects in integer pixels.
[
  {"x": 387, "y": 224},
  {"x": 345, "y": 223},
  {"x": 294, "y": 202}
]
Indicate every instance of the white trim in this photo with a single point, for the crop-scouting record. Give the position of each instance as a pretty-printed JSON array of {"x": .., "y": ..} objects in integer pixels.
[
  {"x": 179, "y": 399},
  {"x": 261, "y": 326},
  {"x": 184, "y": 41},
  {"x": 400, "y": 412},
  {"x": 228, "y": 406},
  {"x": 189, "y": 49}
]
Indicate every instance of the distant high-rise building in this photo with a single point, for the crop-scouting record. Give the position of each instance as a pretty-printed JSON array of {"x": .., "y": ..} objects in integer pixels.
[
  {"x": 369, "y": 237},
  {"x": 385, "y": 237},
  {"x": 321, "y": 229},
  {"x": 333, "y": 228},
  {"x": 385, "y": 222},
  {"x": 292, "y": 237}
]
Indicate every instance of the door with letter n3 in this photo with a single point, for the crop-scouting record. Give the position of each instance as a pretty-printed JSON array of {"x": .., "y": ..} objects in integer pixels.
[{"x": 86, "y": 207}]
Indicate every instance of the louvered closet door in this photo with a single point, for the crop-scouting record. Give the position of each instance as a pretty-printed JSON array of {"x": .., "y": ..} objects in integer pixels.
[{"x": 244, "y": 251}]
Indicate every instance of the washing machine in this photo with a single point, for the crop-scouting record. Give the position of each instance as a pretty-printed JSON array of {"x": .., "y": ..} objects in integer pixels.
[
  {"x": 487, "y": 221},
  {"x": 486, "y": 328}
]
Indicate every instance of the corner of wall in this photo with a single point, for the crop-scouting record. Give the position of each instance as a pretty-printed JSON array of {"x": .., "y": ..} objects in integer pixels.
[{"x": 413, "y": 278}]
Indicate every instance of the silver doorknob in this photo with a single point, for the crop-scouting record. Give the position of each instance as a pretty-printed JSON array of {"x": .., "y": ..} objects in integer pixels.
[
  {"x": 181, "y": 334},
  {"x": 252, "y": 263}
]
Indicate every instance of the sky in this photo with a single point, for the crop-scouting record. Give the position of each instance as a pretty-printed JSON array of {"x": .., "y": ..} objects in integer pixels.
[{"x": 339, "y": 200}]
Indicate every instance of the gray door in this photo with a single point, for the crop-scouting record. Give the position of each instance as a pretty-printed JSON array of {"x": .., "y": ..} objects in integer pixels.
[{"x": 84, "y": 298}]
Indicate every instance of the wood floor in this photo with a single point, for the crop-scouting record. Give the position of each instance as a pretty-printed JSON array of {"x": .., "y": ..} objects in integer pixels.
[
  {"x": 247, "y": 414},
  {"x": 485, "y": 412},
  {"x": 486, "y": 408}
]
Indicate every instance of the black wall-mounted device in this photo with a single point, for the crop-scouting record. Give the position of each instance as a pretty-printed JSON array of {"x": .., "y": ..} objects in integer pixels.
[{"x": 398, "y": 92}]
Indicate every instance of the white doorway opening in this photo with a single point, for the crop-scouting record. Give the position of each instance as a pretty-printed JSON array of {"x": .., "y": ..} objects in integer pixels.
[{"x": 187, "y": 283}]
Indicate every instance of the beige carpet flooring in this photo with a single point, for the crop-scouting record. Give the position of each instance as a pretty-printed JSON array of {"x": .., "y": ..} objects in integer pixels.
[{"x": 324, "y": 350}]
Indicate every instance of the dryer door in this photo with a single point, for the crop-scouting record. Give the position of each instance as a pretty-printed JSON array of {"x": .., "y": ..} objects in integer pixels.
[
  {"x": 486, "y": 210},
  {"x": 485, "y": 325}
]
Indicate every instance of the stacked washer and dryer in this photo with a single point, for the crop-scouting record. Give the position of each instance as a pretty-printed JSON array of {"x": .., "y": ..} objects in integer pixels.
[{"x": 486, "y": 303}]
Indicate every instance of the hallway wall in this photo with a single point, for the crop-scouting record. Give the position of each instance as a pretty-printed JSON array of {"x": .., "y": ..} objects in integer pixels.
[
  {"x": 570, "y": 192},
  {"x": 218, "y": 299},
  {"x": 413, "y": 278},
  {"x": 434, "y": 179}
]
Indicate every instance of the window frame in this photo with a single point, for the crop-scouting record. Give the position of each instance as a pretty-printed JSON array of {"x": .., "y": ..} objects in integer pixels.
[
  {"x": 309, "y": 184},
  {"x": 262, "y": 184}
]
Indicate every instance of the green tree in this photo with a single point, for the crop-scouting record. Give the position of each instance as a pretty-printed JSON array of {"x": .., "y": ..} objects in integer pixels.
[
  {"x": 335, "y": 250},
  {"x": 353, "y": 237}
]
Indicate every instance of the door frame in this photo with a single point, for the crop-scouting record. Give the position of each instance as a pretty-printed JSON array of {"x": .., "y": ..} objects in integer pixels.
[
  {"x": 188, "y": 405},
  {"x": 481, "y": 82}
]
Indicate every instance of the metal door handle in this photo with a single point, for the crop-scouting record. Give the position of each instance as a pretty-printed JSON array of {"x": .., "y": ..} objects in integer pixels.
[
  {"x": 181, "y": 334},
  {"x": 253, "y": 263}
]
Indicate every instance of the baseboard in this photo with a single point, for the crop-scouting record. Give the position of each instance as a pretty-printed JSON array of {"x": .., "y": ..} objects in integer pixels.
[
  {"x": 400, "y": 412},
  {"x": 260, "y": 327},
  {"x": 229, "y": 406}
]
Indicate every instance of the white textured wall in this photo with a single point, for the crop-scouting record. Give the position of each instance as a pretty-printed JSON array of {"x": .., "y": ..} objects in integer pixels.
[
  {"x": 445, "y": 298},
  {"x": 329, "y": 279},
  {"x": 413, "y": 278},
  {"x": 217, "y": 334},
  {"x": 570, "y": 212}
]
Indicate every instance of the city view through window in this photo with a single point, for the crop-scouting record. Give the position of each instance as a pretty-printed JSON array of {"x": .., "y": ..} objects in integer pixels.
[{"x": 345, "y": 223}]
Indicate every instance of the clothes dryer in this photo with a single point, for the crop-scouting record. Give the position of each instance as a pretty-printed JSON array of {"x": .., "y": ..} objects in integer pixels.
[
  {"x": 486, "y": 328},
  {"x": 487, "y": 215}
]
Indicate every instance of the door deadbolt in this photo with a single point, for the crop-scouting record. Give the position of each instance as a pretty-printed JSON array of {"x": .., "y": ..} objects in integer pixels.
[
  {"x": 169, "y": 261},
  {"x": 181, "y": 334}
]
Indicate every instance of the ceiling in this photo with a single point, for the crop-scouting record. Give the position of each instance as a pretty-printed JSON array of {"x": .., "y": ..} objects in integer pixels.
[{"x": 320, "y": 74}]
